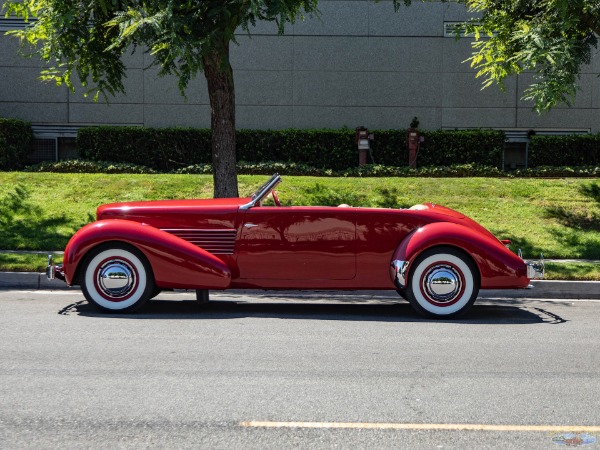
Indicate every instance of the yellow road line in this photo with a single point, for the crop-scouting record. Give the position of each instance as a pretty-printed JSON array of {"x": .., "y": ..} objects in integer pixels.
[{"x": 424, "y": 426}]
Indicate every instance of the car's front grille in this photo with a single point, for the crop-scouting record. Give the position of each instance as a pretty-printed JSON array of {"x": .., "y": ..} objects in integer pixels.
[{"x": 218, "y": 242}]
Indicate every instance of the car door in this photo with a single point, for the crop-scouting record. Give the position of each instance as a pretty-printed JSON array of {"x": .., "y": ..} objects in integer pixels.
[{"x": 297, "y": 243}]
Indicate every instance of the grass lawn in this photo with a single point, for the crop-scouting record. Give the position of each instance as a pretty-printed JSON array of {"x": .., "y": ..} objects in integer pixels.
[{"x": 557, "y": 217}]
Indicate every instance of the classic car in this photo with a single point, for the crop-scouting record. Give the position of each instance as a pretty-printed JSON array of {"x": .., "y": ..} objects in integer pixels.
[{"x": 435, "y": 257}]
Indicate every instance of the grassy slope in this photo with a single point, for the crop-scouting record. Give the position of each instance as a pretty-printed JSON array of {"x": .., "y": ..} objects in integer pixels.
[{"x": 559, "y": 217}]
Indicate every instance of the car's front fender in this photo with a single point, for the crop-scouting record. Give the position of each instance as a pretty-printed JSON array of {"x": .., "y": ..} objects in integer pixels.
[
  {"x": 498, "y": 267},
  {"x": 174, "y": 261}
]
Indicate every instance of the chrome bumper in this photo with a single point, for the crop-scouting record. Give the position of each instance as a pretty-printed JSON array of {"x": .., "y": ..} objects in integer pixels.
[
  {"x": 54, "y": 271},
  {"x": 535, "y": 269}
]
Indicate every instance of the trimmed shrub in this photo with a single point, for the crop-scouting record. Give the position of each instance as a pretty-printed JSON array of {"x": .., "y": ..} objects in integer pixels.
[
  {"x": 446, "y": 148},
  {"x": 15, "y": 143},
  {"x": 173, "y": 148},
  {"x": 571, "y": 150},
  {"x": 327, "y": 149},
  {"x": 162, "y": 149}
]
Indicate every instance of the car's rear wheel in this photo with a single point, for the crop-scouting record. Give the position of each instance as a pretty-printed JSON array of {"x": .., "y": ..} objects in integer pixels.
[
  {"x": 443, "y": 283},
  {"x": 117, "y": 278}
]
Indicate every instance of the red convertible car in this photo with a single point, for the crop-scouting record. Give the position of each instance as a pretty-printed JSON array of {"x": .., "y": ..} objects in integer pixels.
[{"x": 435, "y": 257}]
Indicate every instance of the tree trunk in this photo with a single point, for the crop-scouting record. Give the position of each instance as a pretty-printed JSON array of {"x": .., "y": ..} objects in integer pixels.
[{"x": 219, "y": 77}]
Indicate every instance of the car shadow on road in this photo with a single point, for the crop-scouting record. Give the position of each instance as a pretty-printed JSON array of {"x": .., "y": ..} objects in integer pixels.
[{"x": 506, "y": 313}]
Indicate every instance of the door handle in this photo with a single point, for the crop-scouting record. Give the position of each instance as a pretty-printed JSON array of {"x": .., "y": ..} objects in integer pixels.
[{"x": 250, "y": 225}]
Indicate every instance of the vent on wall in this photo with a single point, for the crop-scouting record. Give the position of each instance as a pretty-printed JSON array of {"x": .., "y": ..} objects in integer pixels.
[
  {"x": 13, "y": 23},
  {"x": 450, "y": 29},
  {"x": 516, "y": 148},
  {"x": 43, "y": 150},
  {"x": 53, "y": 142}
]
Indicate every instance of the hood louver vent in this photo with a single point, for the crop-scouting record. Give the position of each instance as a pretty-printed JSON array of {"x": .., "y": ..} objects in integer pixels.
[{"x": 217, "y": 242}]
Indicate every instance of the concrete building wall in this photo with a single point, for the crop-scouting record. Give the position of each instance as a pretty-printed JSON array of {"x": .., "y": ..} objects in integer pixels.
[{"x": 359, "y": 63}]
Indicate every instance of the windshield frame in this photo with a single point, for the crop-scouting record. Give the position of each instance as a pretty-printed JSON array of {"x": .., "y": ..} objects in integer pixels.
[{"x": 263, "y": 191}]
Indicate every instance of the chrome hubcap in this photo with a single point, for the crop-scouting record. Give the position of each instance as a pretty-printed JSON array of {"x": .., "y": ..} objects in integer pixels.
[
  {"x": 116, "y": 278},
  {"x": 442, "y": 283}
]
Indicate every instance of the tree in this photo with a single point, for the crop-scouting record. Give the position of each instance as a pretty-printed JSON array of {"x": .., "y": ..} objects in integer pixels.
[
  {"x": 552, "y": 38},
  {"x": 89, "y": 37}
]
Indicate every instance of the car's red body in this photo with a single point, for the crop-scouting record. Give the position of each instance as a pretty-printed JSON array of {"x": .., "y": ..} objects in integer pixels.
[{"x": 224, "y": 244}]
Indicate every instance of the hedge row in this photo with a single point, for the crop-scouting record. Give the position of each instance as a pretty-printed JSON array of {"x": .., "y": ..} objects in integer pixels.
[
  {"x": 163, "y": 149},
  {"x": 172, "y": 148},
  {"x": 570, "y": 150},
  {"x": 15, "y": 143}
]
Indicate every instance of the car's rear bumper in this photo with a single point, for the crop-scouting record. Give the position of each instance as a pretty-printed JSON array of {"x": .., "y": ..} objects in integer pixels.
[{"x": 535, "y": 269}]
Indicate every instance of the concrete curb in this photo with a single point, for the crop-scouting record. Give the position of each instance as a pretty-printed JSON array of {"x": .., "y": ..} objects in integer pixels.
[
  {"x": 555, "y": 289},
  {"x": 29, "y": 280},
  {"x": 542, "y": 289}
]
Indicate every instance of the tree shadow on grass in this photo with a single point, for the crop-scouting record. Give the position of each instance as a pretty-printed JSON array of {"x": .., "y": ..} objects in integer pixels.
[
  {"x": 581, "y": 222},
  {"x": 518, "y": 242},
  {"x": 577, "y": 217},
  {"x": 24, "y": 226}
]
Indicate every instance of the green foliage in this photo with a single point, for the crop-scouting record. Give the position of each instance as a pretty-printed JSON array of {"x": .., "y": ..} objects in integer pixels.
[
  {"x": 559, "y": 172},
  {"x": 456, "y": 170},
  {"x": 15, "y": 143},
  {"x": 332, "y": 149},
  {"x": 299, "y": 169},
  {"x": 87, "y": 39},
  {"x": 79, "y": 166},
  {"x": 23, "y": 222},
  {"x": 446, "y": 148},
  {"x": 162, "y": 149},
  {"x": 577, "y": 150},
  {"x": 262, "y": 168},
  {"x": 552, "y": 38},
  {"x": 170, "y": 149}
]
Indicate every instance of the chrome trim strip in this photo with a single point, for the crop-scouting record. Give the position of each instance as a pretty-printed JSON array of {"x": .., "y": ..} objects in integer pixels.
[{"x": 398, "y": 271}]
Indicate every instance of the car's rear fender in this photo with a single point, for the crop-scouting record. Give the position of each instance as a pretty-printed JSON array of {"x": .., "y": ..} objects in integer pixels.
[
  {"x": 175, "y": 262},
  {"x": 498, "y": 267}
]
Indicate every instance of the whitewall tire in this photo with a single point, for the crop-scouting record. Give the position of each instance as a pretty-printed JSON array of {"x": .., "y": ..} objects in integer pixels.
[
  {"x": 116, "y": 278},
  {"x": 443, "y": 283}
]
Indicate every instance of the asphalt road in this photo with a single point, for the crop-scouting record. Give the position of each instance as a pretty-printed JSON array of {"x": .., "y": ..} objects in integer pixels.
[{"x": 360, "y": 374}]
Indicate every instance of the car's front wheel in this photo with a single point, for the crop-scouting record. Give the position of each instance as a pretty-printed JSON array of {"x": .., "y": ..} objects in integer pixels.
[
  {"x": 116, "y": 278},
  {"x": 443, "y": 283}
]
